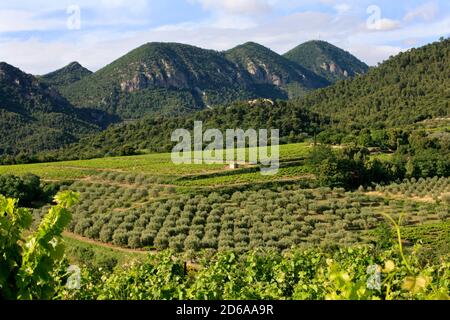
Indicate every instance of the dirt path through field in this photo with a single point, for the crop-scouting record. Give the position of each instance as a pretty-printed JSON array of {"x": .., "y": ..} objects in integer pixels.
[
  {"x": 427, "y": 199},
  {"x": 105, "y": 245},
  {"x": 124, "y": 250}
]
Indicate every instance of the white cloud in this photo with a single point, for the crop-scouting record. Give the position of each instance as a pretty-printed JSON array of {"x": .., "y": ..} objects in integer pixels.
[
  {"x": 52, "y": 15},
  {"x": 236, "y": 7},
  {"x": 342, "y": 8},
  {"x": 374, "y": 54},
  {"x": 22, "y": 20},
  {"x": 427, "y": 12},
  {"x": 383, "y": 24}
]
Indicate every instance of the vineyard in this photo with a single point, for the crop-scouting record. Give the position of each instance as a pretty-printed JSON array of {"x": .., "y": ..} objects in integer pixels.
[
  {"x": 277, "y": 237},
  {"x": 156, "y": 165},
  {"x": 138, "y": 218},
  {"x": 40, "y": 269},
  {"x": 155, "y": 176},
  {"x": 258, "y": 275}
]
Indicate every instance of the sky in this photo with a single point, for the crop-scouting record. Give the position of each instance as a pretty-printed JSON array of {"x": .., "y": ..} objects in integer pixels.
[{"x": 40, "y": 36}]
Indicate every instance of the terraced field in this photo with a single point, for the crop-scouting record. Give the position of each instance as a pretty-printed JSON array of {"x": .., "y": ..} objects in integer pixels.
[{"x": 147, "y": 202}]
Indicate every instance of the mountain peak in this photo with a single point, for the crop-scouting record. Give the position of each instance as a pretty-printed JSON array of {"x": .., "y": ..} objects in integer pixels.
[
  {"x": 5, "y": 67},
  {"x": 74, "y": 65},
  {"x": 253, "y": 46},
  {"x": 10, "y": 74},
  {"x": 67, "y": 75},
  {"x": 267, "y": 67},
  {"x": 327, "y": 60},
  {"x": 318, "y": 42}
]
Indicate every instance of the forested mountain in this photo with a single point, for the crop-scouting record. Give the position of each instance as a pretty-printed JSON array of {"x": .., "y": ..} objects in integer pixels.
[
  {"x": 173, "y": 78},
  {"x": 408, "y": 88},
  {"x": 35, "y": 117},
  {"x": 273, "y": 72},
  {"x": 405, "y": 89},
  {"x": 71, "y": 73},
  {"x": 161, "y": 77},
  {"x": 327, "y": 60},
  {"x": 50, "y": 111}
]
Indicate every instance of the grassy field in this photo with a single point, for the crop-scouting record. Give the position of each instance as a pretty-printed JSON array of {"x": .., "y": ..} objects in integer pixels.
[{"x": 162, "y": 167}]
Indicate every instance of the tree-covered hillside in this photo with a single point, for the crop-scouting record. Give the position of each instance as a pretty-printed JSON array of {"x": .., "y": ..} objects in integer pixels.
[
  {"x": 71, "y": 73},
  {"x": 35, "y": 117},
  {"x": 327, "y": 60},
  {"x": 173, "y": 78},
  {"x": 405, "y": 89},
  {"x": 154, "y": 133}
]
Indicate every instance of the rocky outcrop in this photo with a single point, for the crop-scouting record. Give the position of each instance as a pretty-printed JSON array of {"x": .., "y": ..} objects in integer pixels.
[
  {"x": 334, "y": 69},
  {"x": 162, "y": 74},
  {"x": 262, "y": 74}
]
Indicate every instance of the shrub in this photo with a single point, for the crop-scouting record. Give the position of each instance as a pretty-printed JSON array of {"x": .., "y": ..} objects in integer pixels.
[
  {"x": 120, "y": 238},
  {"x": 106, "y": 234},
  {"x": 134, "y": 239},
  {"x": 148, "y": 237}
]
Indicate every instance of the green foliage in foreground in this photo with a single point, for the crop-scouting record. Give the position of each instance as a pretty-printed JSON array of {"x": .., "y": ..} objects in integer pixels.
[
  {"x": 27, "y": 265},
  {"x": 344, "y": 274},
  {"x": 358, "y": 273}
]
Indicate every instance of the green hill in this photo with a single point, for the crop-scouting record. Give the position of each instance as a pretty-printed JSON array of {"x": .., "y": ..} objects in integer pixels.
[
  {"x": 154, "y": 133},
  {"x": 272, "y": 72},
  {"x": 171, "y": 78},
  {"x": 35, "y": 117},
  {"x": 71, "y": 73},
  {"x": 327, "y": 60},
  {"x": 405, "y": 89},
  {"x": 162, "y": 77},
  {"x": 408, "y": 88}
]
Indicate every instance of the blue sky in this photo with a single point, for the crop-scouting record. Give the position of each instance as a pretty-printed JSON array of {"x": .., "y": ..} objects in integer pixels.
[{"x": 36, "y": 37}]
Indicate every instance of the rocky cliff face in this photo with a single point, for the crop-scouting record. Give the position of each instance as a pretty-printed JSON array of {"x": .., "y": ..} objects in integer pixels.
[
  {"x": 333, "y": 68},
  {"x": 162, "y": 74},
  {"x": 262, "y": 74},
  {"x": 267, "y": 67},
  {"x": 158, "y": 65}
]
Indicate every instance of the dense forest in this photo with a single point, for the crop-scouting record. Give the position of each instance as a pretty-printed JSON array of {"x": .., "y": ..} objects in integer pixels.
[
  {"x": 35, "y": 117},
  {"x": 154, "y": 133},
  {"x": 408, "y": 88}
]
